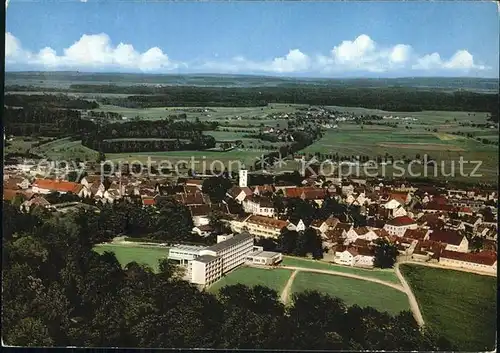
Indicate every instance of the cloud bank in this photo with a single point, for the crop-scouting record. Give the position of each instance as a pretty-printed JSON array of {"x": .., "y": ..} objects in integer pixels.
[
  {"x": 363, "y": 54},
  {"x": 89, "y": 52}
]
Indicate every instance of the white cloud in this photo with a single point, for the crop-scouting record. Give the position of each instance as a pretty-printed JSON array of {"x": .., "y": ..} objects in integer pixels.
[
  {"x": 83, "y": 0},
  {"x": 294, "y": 61},
  {"x": 363, "y": 54},
  {"x": 359, "y": 50},
  {"x": 90, "y": 51},
  {"x": 400, "y": 53},
  {"x": 462, "y": 60},
  {"x": 12, "y": 45}
]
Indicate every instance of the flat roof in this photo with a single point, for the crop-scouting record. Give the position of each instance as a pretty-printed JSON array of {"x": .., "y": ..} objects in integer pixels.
[
  {"x": 266, "y": 254},
  {"x": 193, "y": 248},
  {"x": 238, "y": 238},
  {"x": 206, "y": 258}
]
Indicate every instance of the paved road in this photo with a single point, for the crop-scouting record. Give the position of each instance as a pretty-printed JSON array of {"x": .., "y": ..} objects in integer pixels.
[
  {"x": 285, "y": 295},
  {"x": 417, "y": 314}
]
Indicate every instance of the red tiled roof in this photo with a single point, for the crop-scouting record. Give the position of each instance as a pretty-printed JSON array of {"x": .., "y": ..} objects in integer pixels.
[
  {"x": 194, "y": 182},
  {"x": 484, "y": 258},
  {"x": 267, "y": 221},
  {"x": 343, "y": 226},
  {"x": 381, "y": 233},
  {"x": 439, "y": 207},
  {"x": 446, "y": 236},
  {"x": 293, "y": 192},
  {"x": 365, "y": 251},
  {"x": 264, "y": 188},
  {"x": 12, "y": 182},
  {"x": 58, "y": 185},
  {"x": 417, "y": 234},
  {"x": 9, "y": 194},
  {"x": 361, "y": 230},
  {"x": 148, "y": 201},
  {"x": 401, "y": 221}
]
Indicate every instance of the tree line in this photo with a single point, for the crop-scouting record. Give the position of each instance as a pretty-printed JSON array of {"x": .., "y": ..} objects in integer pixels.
[
  {"x": 45, "y": 122},
  {"x": 48, "y": 101},
  {"x": 389, "y": 99},
  {"x": 162, "y": 135},
  {"x": 57, "y": 291}
]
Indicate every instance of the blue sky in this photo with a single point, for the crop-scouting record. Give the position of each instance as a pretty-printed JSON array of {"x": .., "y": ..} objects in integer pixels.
[{"x": 328, "y": 39}]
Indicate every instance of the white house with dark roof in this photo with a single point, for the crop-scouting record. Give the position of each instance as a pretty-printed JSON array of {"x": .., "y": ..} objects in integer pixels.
[{"x": 398, "y": 226}]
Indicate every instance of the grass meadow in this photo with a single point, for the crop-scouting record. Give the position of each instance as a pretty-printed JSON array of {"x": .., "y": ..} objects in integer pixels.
[
  {"x": 461, "y": 306},
  {"x": 383, "y": 275},
  {"x": 353, "y": 291},
  {"x": 141, "y": 254},
  {"x": 273, "y": 278}
]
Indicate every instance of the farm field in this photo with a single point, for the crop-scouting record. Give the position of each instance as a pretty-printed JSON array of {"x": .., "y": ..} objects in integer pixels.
[
  {"x": 65, "y": 149},
  {"x": 234, "y": 115},
  {"x": 374, "y": 140},
  {"x": 141, "y": 254},
  {"x": 273, "y": 278},
  {"x": 22, "y": 144},
  {"x": 231, "y": 159},
  {"x": 461, "y": 306},
  {"x": 384, "y": 275},
  {"x": 353, "y": 291}
]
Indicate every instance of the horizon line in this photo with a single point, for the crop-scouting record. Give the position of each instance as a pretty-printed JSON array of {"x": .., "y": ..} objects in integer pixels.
[{"x": 249, "y": 75}]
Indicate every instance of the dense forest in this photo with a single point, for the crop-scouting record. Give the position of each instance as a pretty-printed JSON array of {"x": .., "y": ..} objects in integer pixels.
[
  {"x": 158, "y": 135},
  {"x": 56, "y": 291},
  {"x": 48, "y": 101},
  {"x": 44, "y": 122},
  {"x": 391, "y": 99}
]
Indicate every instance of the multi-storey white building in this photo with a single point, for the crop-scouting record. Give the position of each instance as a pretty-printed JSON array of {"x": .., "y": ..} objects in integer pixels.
[
  {"x": 233, "y": 250},
  {"x": 184, "y": 253},
  {"x": 258, "y": 206},
  {"x": 205, "y": 265}
]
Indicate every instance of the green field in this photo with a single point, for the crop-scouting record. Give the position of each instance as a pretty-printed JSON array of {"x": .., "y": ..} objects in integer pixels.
[
  {"x": 234, "y": 115},
  {"x": 140, "y": 254},
  {"x": 22, "y": 144},
  {"x": 375, "y": 140},
  {"x": 202, "y": 158},
  {"x": 384, "y": 275},
  {"x": 65, "y": 149},
  {"x": 461, "y": 306},
  {"x": 353, "y": 291},
  {"x": 273, "y": 278}
]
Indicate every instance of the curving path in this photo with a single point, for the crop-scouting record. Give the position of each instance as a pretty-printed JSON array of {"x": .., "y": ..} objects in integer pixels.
[
  {"x": 417, "y": 314},
  {"x": 344, "y": 274},
  {"x": 405, "y": 288},
  {"x": 285, "y": 294}
]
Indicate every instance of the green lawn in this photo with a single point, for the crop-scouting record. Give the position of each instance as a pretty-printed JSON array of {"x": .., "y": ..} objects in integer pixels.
[
  {"x": 353, "y": 291},
  {"x": 459, "y": 305},
  {"x": 140, "y": 254},
  {"x": 273, "y": 278},
  {"x": 384, "y": 275}
]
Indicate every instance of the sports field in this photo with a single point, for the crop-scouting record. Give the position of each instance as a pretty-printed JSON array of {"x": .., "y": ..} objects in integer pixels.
[
  {"x": 461, "y": 306},
  {"x": 385, "y": 275},
  {"x": 353, "y": 291},
  {"x": 141, "y": 254},
  {"x": 273, "y": 278}
]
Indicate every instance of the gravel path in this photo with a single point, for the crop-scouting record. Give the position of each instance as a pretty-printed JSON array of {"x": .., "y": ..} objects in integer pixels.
[{"x": 285, "y": 295}]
